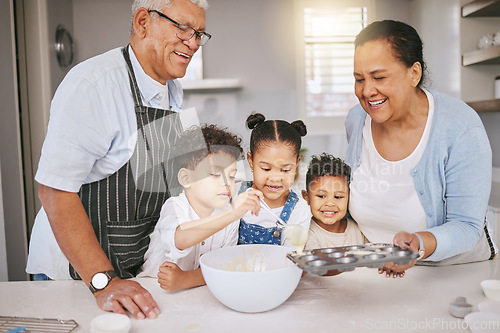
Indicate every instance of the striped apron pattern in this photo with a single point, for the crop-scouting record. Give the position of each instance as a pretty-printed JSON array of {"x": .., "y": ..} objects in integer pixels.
[{"x": 124, "y": 207}]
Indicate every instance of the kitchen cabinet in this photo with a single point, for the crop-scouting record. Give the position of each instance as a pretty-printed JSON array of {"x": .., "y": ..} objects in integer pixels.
[
  {"x": 486, "y": 106},
  {"x": 481, "y": 8},
  {"x": 488, "y": 56},
  {"x": 211, "y": 85}
]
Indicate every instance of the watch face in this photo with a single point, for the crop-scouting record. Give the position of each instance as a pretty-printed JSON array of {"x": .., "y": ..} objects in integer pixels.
[{"x": 99, "y": 280}]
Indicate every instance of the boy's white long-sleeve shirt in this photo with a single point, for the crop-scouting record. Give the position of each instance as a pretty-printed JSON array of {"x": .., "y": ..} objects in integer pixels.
[{"x": 175, "y": 211}]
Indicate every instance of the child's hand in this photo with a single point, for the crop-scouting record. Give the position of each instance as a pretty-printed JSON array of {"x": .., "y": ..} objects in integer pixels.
[
  {"x": 247, "y": 201},
  {"x": 391, "y": 269},
  {"x": 171, "y": 277}
]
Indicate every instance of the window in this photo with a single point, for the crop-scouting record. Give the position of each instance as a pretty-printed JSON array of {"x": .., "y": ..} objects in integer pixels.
[{"x": 329, "y": 30}]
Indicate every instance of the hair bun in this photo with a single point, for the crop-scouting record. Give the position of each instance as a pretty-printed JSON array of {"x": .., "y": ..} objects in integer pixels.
[
  {"x": 255, "y": 119},
  {"x": 300, "y": 127}
]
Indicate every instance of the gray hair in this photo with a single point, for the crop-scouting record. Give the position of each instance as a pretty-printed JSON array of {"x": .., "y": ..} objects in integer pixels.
[{"x": 159, "y": 5}]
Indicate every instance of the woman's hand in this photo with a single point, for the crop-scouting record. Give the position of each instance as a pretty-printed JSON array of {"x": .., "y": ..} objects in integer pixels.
[{"x": 404, "y": 240}]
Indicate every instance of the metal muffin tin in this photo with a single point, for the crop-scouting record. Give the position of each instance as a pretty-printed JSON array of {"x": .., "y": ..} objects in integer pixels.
[{"x": 347, "y": 258}]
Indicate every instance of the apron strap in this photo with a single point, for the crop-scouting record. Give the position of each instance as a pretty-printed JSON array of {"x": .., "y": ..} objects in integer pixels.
[
  {"x": 133, "y": 81},
  {"x": 488, "y": 238}
]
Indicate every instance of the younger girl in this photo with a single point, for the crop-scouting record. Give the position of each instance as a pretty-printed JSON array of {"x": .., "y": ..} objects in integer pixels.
[{"x": 273, "y": 158}]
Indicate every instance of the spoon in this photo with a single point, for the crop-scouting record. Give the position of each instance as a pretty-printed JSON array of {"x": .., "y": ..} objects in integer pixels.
[{"x": 266, "y": 207}]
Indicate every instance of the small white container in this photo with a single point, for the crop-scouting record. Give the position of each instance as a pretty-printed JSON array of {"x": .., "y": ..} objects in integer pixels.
[
  {"x": 110, "y": 323},
  {"x": 483, "y": 322},
  {"x": 486, "y": 41},
  {"x": 460, "y": 308},
  {"x": 489, "y": 306},
  {"x": 491, "y": 289}
]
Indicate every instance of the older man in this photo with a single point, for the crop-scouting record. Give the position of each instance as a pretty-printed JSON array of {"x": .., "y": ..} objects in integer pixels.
[{"x": 104, "y": 170}]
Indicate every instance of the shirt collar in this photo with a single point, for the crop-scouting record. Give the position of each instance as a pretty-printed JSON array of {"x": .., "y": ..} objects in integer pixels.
[{"x": 148, "y": 87}]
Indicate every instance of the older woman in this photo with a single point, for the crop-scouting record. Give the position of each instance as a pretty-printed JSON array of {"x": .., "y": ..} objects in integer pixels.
[{"x": 421, "y": 160}]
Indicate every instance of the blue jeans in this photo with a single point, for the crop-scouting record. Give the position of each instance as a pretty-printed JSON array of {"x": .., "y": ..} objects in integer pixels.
[{"x": 41, "y": 277}]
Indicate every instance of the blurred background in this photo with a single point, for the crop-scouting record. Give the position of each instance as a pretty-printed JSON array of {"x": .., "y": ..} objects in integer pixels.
[{"x": 288, "y": 59}]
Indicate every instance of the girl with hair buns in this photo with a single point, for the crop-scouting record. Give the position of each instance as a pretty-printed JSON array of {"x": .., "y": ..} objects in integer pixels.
[{"x": 273, "y": 158}]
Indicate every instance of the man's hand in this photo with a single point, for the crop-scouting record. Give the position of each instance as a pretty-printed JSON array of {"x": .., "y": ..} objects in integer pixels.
[
  {"x": 73, "y": 232},
  {"x": 121, "y": 295}
]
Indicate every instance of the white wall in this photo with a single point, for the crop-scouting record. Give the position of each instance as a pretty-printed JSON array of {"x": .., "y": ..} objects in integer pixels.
[
  {"x": 252, "y": 40},
  {"x": 100, "y": 25},
  {"x": 438, "y": 24},
  {"x": 262, "y": 53}
]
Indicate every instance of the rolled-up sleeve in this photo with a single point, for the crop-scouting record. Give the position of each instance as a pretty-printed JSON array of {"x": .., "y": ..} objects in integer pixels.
[{"x": 78, "y": 135}]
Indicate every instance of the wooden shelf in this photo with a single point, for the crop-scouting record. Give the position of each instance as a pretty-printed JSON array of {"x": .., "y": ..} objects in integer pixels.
[
  {"x": 489, "y": 56},
  {"x": 211, "y": 85},
  {"x": 485, "y": 106},
  {"x": 481, "y": 8}
]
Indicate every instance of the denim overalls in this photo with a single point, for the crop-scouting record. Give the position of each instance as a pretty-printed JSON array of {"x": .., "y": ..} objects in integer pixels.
[{"x": 256, "y": 234}]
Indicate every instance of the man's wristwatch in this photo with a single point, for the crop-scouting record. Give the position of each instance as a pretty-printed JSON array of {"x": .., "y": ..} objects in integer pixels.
[
  {"x": 421, "y": 250},
  {"x": 101, "y": 280}
]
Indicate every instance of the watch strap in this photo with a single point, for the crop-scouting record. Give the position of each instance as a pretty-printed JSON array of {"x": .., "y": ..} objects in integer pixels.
[{"x": 109, "y": 274}]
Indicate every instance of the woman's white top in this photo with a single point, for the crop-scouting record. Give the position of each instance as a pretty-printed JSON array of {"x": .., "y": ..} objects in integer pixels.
[{"x": 383, "y": 199}]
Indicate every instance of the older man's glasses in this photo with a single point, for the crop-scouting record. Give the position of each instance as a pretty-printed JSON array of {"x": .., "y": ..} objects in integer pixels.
[{"x": 185, "y": 32}]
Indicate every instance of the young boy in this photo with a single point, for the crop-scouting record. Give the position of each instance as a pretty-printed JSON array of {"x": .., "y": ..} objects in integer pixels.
[
  {"x": 203, "y": 217},
  {"x": 327, "y": 182}
]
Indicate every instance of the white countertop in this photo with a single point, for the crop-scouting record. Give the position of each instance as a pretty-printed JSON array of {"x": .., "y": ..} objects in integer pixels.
[{"x": 356, "y": 301}]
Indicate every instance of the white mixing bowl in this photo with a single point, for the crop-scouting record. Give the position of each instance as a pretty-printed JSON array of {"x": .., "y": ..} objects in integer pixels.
[{"x": 250, "y": 278}]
